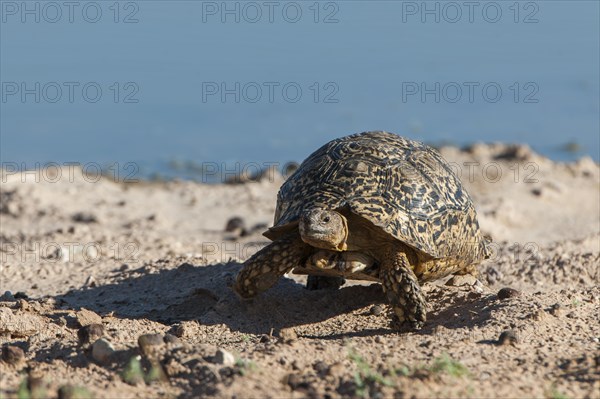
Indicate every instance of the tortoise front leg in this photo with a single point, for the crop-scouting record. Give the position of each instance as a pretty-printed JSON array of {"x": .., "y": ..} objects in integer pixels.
[
  {"x": 402, "y": 289},
  {"x": 265, "y": 267}
]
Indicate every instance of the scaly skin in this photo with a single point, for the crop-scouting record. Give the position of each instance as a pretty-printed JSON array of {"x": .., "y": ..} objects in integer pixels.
[
  {"x": 265, "y": 267},
  {"x": 402, "y": 289}
]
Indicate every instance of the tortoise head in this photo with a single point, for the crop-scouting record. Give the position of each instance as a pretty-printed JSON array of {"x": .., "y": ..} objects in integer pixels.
[{"x": 324, "y": 229}]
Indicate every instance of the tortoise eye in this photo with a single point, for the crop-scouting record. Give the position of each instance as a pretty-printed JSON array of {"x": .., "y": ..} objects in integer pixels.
[{"x": 326, "y": 219}]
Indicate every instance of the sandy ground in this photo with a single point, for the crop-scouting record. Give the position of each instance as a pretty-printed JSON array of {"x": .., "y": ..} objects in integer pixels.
[{"x": 153, "y": 260}]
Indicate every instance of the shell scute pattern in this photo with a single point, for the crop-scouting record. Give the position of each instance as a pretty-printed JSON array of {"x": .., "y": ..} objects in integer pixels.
[{"x": 400, "y": 185}]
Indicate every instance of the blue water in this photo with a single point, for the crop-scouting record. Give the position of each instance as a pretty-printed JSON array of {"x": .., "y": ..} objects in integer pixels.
[{"x": 171, "y": 54}]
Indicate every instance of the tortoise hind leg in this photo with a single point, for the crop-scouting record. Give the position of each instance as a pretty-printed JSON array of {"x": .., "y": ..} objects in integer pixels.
[
  {"x": 402, "y": 290},
  {"x": 262, "y": 270}
]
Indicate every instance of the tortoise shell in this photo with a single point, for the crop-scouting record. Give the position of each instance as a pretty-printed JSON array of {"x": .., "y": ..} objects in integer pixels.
[{"x": 402, "y": 186}]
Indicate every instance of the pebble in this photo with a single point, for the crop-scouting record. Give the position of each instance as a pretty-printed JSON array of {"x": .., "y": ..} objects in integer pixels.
[
  {"x": 234, "y": 224},
  {"x": 376, "y": 310},
  {"x": 102, "y": 350},
  {"x": 90, "y": 333},
  {"x": 537, "y": 192},
  {"x": 12, "y": 354},
  {"x": 172, "y": 339},
  {"x": 264, "y": 339},
  {"x": 321, "y": 368},
  {"x": 73, "y": 392},
  {"x": 507, "y": 337},
  {"x": 84, "y": 217},
  {"x": 556, "y": 310},
  {"x": 185, "y": 329},
  {"x": 288, "y": 335},
  {"x": 7, "y": 296},
  {"x": 293, "y": 380},
  {"x": 506, "y": 293},
  {"x": 86, "y": 317},
  {"x": 150, "y": 344},
  {"x": 224, "y": 357},
  {"x": 21, "y": 295},
  {"x": 297, "y": 365}
]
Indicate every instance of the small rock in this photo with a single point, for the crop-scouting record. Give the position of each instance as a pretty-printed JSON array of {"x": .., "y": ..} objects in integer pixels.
[
  {"x": 172, "y": 339},
  {"x": 86, "y": 317},
  {"x": 537, "y": 192},
  {"x": 185, "y": 329},
  {"x": 376, "y": 310},
  {"x": 297, "y": 365},
  {"x": 7, "y": 296},
  {"x": 84, "y": 217},
  {"x": 293, "y": 380},
  {"x": 102, "y": 350},
  {"x": 90, "y": 333},
  {"x": 236, "y": 223},
  {"x": 321, "y": 368},
  {"x": 150, "y": 344},
  {"x": 506, "y": 293},
  {"x": 265, "y": 339},
  {"x": 73, "y": 392},
  {"x": 225, "y": 358},
  {"x": 12, "y": 354},
  {"x": 288, "y": 335},
  {"x": 21, "y": 295},
  {"x": 556, "y": 310},
  {"x": 571, "y": 315},
  {"x": 507, "y": 337}
]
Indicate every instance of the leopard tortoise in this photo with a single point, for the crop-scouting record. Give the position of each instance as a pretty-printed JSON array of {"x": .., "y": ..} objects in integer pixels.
[{"x": 372, "y": 206}]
